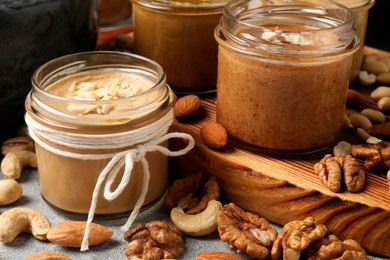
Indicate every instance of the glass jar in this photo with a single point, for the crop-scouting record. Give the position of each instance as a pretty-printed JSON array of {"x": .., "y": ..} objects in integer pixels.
[
  {"x": 37, "y": 31},
  {"x": 114, "y": 14},
  {"x": 283, "y": 70},
  {"x": 77, "y": 138},
  {"x": 360, "y": 9},
  {"x": 179, "y": 36}
]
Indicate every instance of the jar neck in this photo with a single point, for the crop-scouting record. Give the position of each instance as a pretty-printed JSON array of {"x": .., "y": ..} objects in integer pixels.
[
  {"x": 259, "y": 27},
  {"x": 134, "y": 111}
]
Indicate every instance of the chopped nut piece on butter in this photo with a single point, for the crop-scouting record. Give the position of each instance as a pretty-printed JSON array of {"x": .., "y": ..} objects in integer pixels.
[{"x": 95, "y": 91}]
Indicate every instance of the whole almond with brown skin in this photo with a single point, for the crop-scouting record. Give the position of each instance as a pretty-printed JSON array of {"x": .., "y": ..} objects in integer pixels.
[
  {"x": 353, "y": 97},
  {"x": 214, "y": 135},
  {"x": 47, "y": 256},
  {"x": 217, "y": 256},
  {"x": 186, "y": 106},
  {"x": 71, "y": 233},
  {"x": 381, "y": 131}
]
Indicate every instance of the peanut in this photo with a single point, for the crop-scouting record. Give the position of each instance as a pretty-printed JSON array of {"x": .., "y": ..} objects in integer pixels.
[
  {"x": 380, "y": 92},
  {"x": 10, "y": 191},
  {"x": 19, "y": 143},
  {"x": 384, "y": 104},
  {"x": 360, "y": 121},
  {"x": 374, "y": 115}
]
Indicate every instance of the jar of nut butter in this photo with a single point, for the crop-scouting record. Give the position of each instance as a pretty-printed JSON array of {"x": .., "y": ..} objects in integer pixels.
[
  {"x": 360, "y": 9},
  {"x": 100, "y": 122},
  {"x": 179, "y": 36},
  {"x": 283, "y": 71}
]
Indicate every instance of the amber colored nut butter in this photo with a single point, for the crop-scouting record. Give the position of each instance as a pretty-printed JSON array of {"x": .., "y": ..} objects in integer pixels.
[
  {"x": 182, "y": 43},
  {"x": 68, "y": 183},
  {"x": 279, "y": 105}
]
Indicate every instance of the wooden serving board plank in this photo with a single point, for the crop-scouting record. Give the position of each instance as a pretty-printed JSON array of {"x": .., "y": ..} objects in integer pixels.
[{"x": 283, "y": 188}]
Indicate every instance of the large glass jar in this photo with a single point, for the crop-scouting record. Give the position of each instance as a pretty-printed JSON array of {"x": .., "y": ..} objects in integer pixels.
[
  {"x": 360, "y": 9},
  {"x": 81, "y": 131},
  {"x": 283, "y": 71},
  {"x": 34, "y": 32},
  {"x": 179, "y": 36}
]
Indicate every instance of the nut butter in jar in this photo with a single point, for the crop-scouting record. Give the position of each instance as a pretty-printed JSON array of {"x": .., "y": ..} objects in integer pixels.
[
  {"x": 179, "y": 36},
  {"x": 360, "y": 9},
  {"x": 283, "y": 70},
  {"x": 100, "y": 121}
]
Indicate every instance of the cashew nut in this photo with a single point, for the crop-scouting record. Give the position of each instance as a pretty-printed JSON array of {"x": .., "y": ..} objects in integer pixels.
[
  {"x": 19, "y": 143},
  {"x": 10, "y": 191},
  {"x": 380, "y": 92},
  {"x": 384, "y": 104},
  {"x": 18, "y": 220},
  {"x": 15, "y": 161},
  {"x": 200, "y": 224},
  {"x": 366, "y": 79}
]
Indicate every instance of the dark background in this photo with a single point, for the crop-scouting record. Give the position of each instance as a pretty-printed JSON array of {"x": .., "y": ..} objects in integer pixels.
[{"x": 378, "y": 27}]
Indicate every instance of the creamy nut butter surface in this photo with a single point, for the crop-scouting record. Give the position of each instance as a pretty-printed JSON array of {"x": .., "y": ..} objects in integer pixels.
[
  {"x": 99, "y": 100},
  {"x": 282, "y": 84}
]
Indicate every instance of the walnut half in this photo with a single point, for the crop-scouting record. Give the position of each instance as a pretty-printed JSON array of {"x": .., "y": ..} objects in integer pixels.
[
  {"x": 154, "y": 240},
  {"x": 245, "y": 232}
]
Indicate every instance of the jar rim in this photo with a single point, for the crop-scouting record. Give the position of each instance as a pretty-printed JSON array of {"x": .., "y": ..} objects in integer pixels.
[
  {"x": 79, "y": 64},
  {"x": 356, "y": 3},
  {"x": 183, "y": 5},
  {"x": 128, "y": 110},
  {"x": 254, "y": 26}
]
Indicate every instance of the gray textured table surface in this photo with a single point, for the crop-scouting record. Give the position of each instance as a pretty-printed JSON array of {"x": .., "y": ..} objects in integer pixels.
[{"x": 25, "y": 244}]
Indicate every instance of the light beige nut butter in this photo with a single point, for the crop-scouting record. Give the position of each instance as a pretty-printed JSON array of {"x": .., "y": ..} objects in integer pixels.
[
  {"x": 283, "y": 73},
  {"x": 179, "y": 36},
  {"x": 100, "y": 94}
]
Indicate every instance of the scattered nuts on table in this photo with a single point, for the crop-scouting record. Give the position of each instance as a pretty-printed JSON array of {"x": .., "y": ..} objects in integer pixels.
[
  {"x": 71, "y": 233},
  {"x": 374, "y": 115},
  {"x": 47, "y": 256},
  {"x": 360, "y": 121},
  {"x": 18, "y": 220},
  {"x": 214, "y": 135},
  {"x": 333, "y": 170},
  {"x": 381, "y": 131},
  {"x": 200, "y": 224},
  {"x": 375, "y": 67},
  {"x": 375, "y": 156},
  {"x": 154, "y": 240},
  {"x": 367, "y": 79},
  {"x": 384, "y": 104},
  {"x": 186, "y": 107},
  {"x": 245, "y": 232},
  {"x": 10, "y": 191},
  {"x": 380, "y": 92},
  {"x": 13, "y": 163}
]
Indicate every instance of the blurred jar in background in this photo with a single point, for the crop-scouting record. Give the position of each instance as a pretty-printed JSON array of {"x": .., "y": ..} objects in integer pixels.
[
  {"x": 114, "y": 14},
  {"x": 179, "y": 35},
  {"x": 34, "y": 32},
  {"x": 360, "y": 9}
]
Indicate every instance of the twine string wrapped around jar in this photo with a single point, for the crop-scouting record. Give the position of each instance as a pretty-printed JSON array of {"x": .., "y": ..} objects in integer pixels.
[{"x": 144, "y": 140}]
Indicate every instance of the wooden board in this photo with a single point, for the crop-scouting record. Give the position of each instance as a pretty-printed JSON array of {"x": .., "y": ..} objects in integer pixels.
[{"x": 283, "y": 188}]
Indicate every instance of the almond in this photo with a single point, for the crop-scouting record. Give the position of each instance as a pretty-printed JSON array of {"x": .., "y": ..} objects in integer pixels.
[
  {"x": 47, "y": 256},
  {"x": 71, "y": 233},
  {"x": 186, "y": 106},
  {"x": 353, "y": 97},
  {"x": 217, "y": 256},
  {"x": 381, "y": 131},
  {"x": 214, "y": 135}
]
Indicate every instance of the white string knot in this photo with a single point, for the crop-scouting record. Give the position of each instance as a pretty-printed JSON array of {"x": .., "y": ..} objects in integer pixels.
[{"x": 122, "y": 160}]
